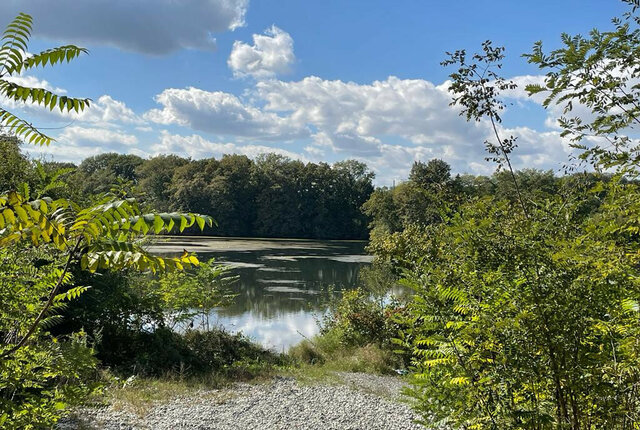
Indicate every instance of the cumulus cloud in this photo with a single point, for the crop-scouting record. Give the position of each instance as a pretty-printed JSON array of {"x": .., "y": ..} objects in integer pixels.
[
  {"x": 394, "y": 122},
  {"x": 222, "y": 114},
  {"x": 196, "y": 146},
  {"x": 145, "y": 26},
  {"x": 105, "y": 110},
  {"x": 91, "y": 136},
  {"x": 33, "y": 82},
  {"x": 77, "y": 143},
  {"x": 413, "y": 109},
  {"x": 270, "y": 54},
  {"x": 388, "y": 124},
  {"x": 349, "y": 143}
]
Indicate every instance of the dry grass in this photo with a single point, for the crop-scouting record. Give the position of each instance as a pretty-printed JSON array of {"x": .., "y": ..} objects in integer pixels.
[{"x": 139, "y": 395}]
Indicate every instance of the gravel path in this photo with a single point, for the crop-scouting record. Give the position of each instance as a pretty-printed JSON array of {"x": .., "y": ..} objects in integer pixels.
[{"x": 360, "y": 402}]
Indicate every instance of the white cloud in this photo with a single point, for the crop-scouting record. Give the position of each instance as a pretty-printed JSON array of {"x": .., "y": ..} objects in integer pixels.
[
  {"x": 520, "y": 93},
  {"x": 388, "y": 124},
  {"x": 102, "y": 112},
  {"x": 197, "y": 147},
  {"x": 77, "y": 143},
  {"x": 270, "y": 54},
  {"x": 222, "y": 114},
  {"x": 92, "y": 136},
  {"x": 108, "y": 110},
  {"x": 33, "y": 82},
  {"x": 413, "y": 109},
  {"x": 392, "y": 123},
  {"x": 146, "y": 26},
  {"x": 349, "y": 143}
]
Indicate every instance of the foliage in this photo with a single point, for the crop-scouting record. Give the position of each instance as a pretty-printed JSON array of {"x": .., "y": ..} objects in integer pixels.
[
  {"x": 43, "y": 240},
  {"x": 598, "y": 73},
  {"x": 162, "y": 352},
  {"x": 98, "y": 174},
  {"x": 528, "y": 323},
  {"x": 102, "y": 237},
  {"x": 185, "y": 296},
  {"x": 383, "y": 211},
  {"x": 322, "y": 356},
  {"x": 528, "y": 318},
  {"x": 46, "y": 376},
  {"x": 401, "y": 249},
  {"x": 426, "y": 198},
  {"x": 272, "y": 196},
  {"x": 155, "y": 176},
  {"x": 476, "y": 86},
  {"x": 219, "y": 351},
  {"x": 14, "y": 166},
  {"x": 356, "y": 331},
  {"x": 132, "y": 316},
  {"x": 358, "y": 320},
  {"x": 225, "y": 186},
  {"x": 378, "y": 280},
  {"x": 14, "y": 59}
]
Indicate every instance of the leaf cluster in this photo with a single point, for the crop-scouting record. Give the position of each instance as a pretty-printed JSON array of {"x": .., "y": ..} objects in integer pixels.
[
  {"x": 600, "y": 73},
  {"x": 14, "y": 60}
]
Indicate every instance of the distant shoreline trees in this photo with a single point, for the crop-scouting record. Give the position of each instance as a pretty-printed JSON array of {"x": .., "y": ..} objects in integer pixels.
[{"x": 271, "y": 196}]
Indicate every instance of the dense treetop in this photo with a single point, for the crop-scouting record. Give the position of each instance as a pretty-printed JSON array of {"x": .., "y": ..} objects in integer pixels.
[{"x": 271, "y": 196}]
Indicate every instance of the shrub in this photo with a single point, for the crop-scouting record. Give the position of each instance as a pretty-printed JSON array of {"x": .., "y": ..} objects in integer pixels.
[
  {"x": 529, "y": 322},
  {"x": 357, "y": 331},
  {"x": 131, "y": 316},
  {"x": 220, "y": 351},
  {"x": 357, "y": 319},
  {"x": 163, "y": 351},
  {"x": 327, "y": 352},
  {"x": 50, "y": 373}
]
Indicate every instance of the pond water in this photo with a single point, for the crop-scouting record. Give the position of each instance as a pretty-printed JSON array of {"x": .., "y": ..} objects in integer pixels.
[{"x": 284, "y": 285}]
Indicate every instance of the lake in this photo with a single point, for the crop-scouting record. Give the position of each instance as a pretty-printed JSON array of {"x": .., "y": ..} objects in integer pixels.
[{"x": 284, "y": 285}]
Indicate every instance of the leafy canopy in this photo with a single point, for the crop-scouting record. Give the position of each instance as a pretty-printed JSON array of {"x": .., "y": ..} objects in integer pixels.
[{"x": 599, "y": 72}]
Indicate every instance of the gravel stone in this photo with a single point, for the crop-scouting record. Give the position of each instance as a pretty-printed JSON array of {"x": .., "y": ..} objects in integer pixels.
[{"x": 362, "y": 401}]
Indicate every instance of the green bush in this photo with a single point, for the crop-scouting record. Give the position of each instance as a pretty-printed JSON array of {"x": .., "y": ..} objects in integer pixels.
[
  {"x": 49, "y": 374},
  {"x": 357, "y": 331},
  {"x": 357, "y": 319},
  {"x": 43, "y": 380},
  {"x": 220, "y": 351},
  {"x": 529, "y": 322},
  {"x": 132, "y": 317},
  {"x": 327, "y": 352}
]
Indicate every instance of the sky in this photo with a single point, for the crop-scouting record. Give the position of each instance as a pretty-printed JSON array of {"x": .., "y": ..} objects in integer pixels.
[{"x": 312, "y": 80}]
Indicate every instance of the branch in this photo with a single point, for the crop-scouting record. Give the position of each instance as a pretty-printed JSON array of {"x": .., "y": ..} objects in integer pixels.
[{"x": 47, "y": 305}]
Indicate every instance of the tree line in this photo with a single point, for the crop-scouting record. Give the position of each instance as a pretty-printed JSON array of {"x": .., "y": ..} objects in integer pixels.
[{"x": 271, "y": 196}]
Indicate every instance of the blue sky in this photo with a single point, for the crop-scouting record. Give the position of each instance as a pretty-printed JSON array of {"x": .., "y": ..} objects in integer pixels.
[{"x": 315, "y": 80}]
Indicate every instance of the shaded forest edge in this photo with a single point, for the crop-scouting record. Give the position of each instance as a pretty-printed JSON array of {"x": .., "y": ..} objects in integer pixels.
[{"x": 271, "y": 196}]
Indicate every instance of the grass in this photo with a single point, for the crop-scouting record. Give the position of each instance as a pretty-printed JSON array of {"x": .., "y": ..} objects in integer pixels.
[
  {"x": 139, "y": 397},
  {"x": 320, "y": 358},
  {"x": 138, "y": 394},
  {"x": 313, "y": 361}
]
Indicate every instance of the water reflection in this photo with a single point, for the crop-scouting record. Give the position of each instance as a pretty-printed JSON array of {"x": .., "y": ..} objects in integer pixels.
[{"x": 283, "y": 285}]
